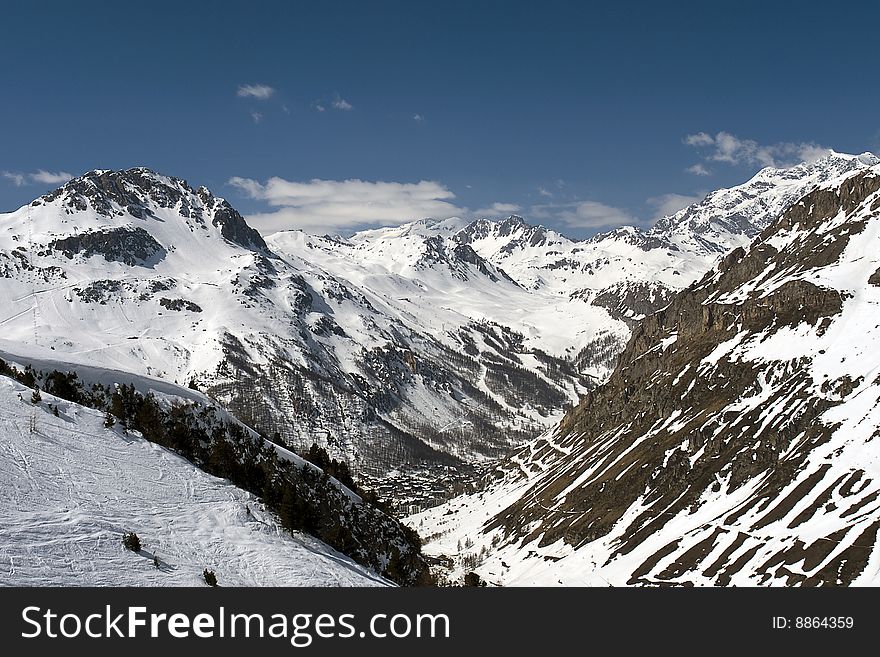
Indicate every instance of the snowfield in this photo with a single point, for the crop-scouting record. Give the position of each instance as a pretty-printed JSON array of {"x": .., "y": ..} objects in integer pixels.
[
  {"x": 755, "y": 463},
  {"x": 448, "y": 341},
  {"x": 72, "y": 487}
]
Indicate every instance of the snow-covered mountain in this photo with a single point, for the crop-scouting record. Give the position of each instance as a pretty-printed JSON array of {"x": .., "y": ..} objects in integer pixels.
[
  {"x": 73, "y": 488},
  {"x": 735, "y": 442},
  {"x": 441, "y": 341},
  {"x": 91, "y": 454},
  {"x": 630, "y": 272},
  {"x": 139, "y": 272}
]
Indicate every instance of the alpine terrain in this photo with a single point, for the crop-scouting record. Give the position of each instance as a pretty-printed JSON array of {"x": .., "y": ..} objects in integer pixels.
[
  {"x": 138, "y": 272},
  {"x": 437, "y": 342},
  {"x": 688, "y": 404},
  {"x": 93, "y": 457},
  {"x": 735, "y": 442}
]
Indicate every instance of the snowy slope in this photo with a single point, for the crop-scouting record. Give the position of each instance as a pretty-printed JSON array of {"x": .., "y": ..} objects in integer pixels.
[
  {"x": 728, "y": 218},
  {"x": 139, "y": 272},
  {"x": 437, "y": 341},
  {"x": 573, "y": 298},
  {"x": 733, "y": 445},
  {"x": 72, "y": 487}
]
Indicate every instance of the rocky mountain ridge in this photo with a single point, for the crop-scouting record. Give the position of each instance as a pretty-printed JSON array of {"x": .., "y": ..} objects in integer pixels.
[{"x": 735, "y": 441}]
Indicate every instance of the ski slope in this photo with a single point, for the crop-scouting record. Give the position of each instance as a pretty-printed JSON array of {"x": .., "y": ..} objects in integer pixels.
[{"x": 72, "y": 487}]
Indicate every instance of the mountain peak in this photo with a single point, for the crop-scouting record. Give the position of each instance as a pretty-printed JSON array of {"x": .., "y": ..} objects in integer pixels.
[
  {"x": 135, "y": 190},
  {"x": 143, "y": 194},
  {"x": 727, "y": 218},
  {"x": 515, "y": 219},
  {"x": 506, "y": 235}
]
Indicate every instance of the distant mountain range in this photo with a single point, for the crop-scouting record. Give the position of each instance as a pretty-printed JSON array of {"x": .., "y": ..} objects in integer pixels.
[
  {"x": 690, "y": 404},
  {"x": 735, "y": 442},
  {"x": 444, "y": 342}
]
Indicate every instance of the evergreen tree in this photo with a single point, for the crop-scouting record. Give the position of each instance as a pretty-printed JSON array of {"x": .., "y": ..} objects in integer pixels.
[
  {"x": 28, "y": 377},
  {"x": 210, "y": 577},
  {"x": 36, "y": 397},
  {"x": 288, "y": 509},
  {"x": 131, "y": 541},
  {"x": 64, "y": 384},
  {"x": 473, "y": 579}
]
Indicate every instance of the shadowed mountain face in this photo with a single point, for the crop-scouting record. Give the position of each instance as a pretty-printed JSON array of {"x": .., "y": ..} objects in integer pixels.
[
  {"x": 438, "y": 341},
  {"x": 384, "y": 366},
  {"x": 136, "y": 192},
  {"x": 735, "y": 442}
]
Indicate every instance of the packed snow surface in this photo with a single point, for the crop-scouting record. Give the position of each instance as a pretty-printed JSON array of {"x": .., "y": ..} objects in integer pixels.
[{"x": 72, "y": 487}]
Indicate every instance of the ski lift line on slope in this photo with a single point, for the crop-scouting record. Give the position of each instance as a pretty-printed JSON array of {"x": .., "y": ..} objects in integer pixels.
[
  {"x": 32, "y": 273},
  {"x": 33, "y": 281}
]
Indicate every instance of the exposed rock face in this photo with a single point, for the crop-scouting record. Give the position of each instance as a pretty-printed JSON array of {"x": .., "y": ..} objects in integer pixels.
[
  {"x": 631, "y": 302},
  {"x": 304, "y": 352},
  {"x": 139, "y": 191},
  {"x": 234, "y": 228},
  {"x": 526, "y": 235},
  {"x": 715, "y": 452},
  {"x": 465, "y": 253},
  {"x": 179, "y": 305},
  {"x": 129, "y": 245}
]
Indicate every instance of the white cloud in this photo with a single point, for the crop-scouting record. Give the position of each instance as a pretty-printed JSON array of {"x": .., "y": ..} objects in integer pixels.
[
  {"x": 699, "y": 169},
  {"x": 699, "y": 139},
  {"x": 332, "y": 205},
  {"x": 50, "y": 178},
  {"x": 256, "y": 116},
  {"x": 667, "y": 204},
  {"x": 498, "y": 210},
  {"x": 320, "y": 107},
  {"x": 584, "y": 214},
  {"x": 40, "y": 176},
  {"x": 418, "y": 118},
  {"x": 592, "y": 214},
  {"x": 543, "y": 191},
  {"x": 258, "y": 91},
  {"x": 18, "y": 179},
  {"x": 728, "y": 148},
  {"x": 811, "y": 152},
  {"x": 342, "y": 104}
]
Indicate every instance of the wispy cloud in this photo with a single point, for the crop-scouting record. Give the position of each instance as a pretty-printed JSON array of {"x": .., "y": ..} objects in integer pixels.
[
  {"x": 699, "y": 169},
  {"x": 418, "y": 118},
  {"x": 18, "y": 179},
  {"x": 257, "y": 117},
  {"x": 41, "y": 176},
  {"x": 341, "y": 104},
  {"x": 730, "y": 149},
  {"x": 498, "y": 210},
  {"x": 332, "y": 205},
  {"x": 584, "y": 214},
  {"x": 699, "y": 139},
  {"x": 592, "y": 214},
  {"x": 320, "y": 107},
  {"x": 667, "y": 204},
  {"x": 50, "y": 178},
  {"x": 258, "y": 91}
]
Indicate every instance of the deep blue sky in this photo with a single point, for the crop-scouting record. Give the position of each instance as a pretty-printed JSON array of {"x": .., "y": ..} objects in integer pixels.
[{"x": 589, "y": 102}]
